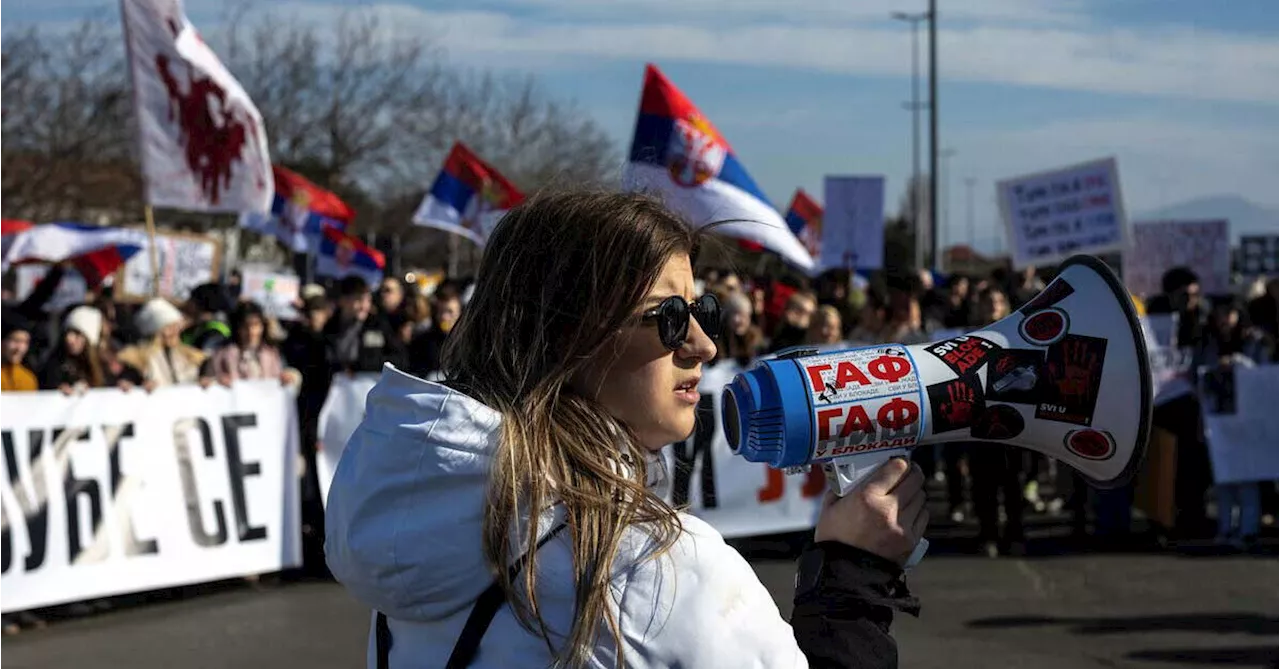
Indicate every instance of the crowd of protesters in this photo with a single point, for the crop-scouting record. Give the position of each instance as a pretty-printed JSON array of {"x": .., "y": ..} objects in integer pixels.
[{"x": 347, "y": 327}]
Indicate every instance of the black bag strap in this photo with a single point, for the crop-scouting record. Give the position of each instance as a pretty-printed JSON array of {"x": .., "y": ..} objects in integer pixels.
[{"x": 482, "y": 613}]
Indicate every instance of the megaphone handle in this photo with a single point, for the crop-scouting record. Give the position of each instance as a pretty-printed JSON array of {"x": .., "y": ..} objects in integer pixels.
[{"x": 844, "y": 477}]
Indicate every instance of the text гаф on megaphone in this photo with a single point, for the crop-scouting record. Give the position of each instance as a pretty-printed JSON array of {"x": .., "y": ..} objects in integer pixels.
[{"x": 1067, "y": 375}]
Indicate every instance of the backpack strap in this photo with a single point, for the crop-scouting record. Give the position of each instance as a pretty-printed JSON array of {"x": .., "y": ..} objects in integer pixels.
[{"x": 482, "y": 613}]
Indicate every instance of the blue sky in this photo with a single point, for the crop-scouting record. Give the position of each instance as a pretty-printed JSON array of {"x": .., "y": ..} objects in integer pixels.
[{"x": 1182, "y": 92}]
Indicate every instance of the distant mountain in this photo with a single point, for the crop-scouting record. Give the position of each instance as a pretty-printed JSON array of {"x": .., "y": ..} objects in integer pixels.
[{"x": 1245, "y": 217}]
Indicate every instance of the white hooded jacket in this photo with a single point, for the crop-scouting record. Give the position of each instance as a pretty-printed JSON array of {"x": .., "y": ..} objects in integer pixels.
[{"x": 404, "y": 522}]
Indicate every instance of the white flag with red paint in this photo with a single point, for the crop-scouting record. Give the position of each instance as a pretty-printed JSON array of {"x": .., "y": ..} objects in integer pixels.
[{"x": 203, "y": 144}]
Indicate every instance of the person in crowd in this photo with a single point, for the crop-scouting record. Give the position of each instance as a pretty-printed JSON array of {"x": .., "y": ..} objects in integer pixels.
[
  {"x": 542, "y": 452},
  {"x": 995, "y": 470},
  {"x": 758, "y": 301},
  {"x": 307, "y": 350},
  {"x": 825, "y": 330},
  {"x": 248, "y": 355},
  {"x": 207, "y": 306},
  {"x": 795, "y": 321},
  {"x": 1264, "y": 316},
  {"x": 76, "y": 363},
  {"x": 904, "y": 322},
  {"x": 742, "y": 341},
  {"x": 161, "y": 356},
  {"x": 361, "y": 339},
  {"x": 417, "y": 309},
  {"x": 14, "y": 375},
  {"x": 1026, "y": 285},
  {"x": 871, "y": 318},
  {"x": 425, "y": 350},
  {"x": 957, "y": 308},
  {"x": 834, "y": 289},
  {"x": 728, "y": 284},
  {"x": 390, "y": 296},
  {"x": 1181, "y": 295}
]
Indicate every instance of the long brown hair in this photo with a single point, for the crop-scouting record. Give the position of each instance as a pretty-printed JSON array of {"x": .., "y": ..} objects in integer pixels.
[{"x": 560, "y": 275}]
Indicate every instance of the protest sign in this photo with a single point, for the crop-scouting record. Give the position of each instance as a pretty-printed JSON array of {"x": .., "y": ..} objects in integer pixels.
[{"x": 1050, "y": 216}]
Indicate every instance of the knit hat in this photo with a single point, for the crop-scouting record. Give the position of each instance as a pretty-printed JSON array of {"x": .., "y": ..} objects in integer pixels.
[
  {"x": 155, "y": 315},
  {"x": 12, "y": 322},
  {"x": 87, "y": 321}
]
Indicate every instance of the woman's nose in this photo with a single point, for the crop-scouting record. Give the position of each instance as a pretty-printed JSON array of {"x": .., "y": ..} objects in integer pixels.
[{"x": 697, "y": 346}]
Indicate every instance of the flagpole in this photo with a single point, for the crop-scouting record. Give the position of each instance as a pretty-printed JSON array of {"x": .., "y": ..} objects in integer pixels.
[{"x": 152, "y": 252}]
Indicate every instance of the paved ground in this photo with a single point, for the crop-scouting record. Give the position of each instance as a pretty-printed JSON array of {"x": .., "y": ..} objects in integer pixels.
[{"x": 1059, "y": 607}]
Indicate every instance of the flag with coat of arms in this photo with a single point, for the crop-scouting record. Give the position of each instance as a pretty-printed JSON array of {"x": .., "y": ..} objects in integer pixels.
[
  {"x": 468, "y": 197},
  {"x": 341, "y": 255},
  {"x": 300, "y": 210},
  {"x": 804, "y": 217},
  {"x": 679, "y": 155}
]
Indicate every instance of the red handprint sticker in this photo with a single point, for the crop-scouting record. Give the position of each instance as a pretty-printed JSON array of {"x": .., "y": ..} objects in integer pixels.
[
  {"x": 1073, "y": 377},
  {"x": 955, "y": 404}
]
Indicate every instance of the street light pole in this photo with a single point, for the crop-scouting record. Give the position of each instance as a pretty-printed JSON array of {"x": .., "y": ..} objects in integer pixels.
[
  {"x": 915, "y": 106},
  {"x": 933, "y": 129},
  {"x": 945, "y": 176}
]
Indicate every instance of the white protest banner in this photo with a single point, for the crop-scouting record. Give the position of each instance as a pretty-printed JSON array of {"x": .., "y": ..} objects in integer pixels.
[
  {"x": 339, "y": 417},
  {"x": 737, "y": 497},
  {"x": 1204, "y": 247},
  {"x": 853, "y": 224},
  {"x": 112, "y": 492},
  {"x": 1050, "y": 216},
  {"x": 202, "y": 142},
  {"x": 1258, "y": 254},
  {"x": 1240, "y": 427},
  {"x": 185, "y": 261}
]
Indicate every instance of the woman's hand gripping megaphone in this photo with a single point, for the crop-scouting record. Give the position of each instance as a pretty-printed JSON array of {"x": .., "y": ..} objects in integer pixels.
[{"x": 885, "y": 514}]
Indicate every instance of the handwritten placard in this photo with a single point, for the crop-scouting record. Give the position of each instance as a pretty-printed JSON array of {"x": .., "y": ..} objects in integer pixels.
[
  {"x": 1204, "y": 247},
  {"x": 185, "y": 261},
  {"x": 853, "y": 223},
  {"x": 1050, "y": 216},
  {"x": 274, "y": 291}
]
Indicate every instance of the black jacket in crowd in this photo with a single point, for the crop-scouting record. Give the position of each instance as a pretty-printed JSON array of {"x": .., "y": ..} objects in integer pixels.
[{"x": 377, "y": 343}]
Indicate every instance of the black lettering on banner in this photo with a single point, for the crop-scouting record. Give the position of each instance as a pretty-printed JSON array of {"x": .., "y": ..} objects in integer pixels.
[
  {"x": 34, "y": 510},
  {"x": 237, "y": 471},
  {"x": 76, "y": 489},
  {"x": 132, "y": 544},
  {"x": 686, "y": 455},
  {"x": 190, "y": 492}
]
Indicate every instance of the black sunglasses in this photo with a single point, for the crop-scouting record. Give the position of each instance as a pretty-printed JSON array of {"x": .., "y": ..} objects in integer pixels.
[{"x": 672, "y": 316}]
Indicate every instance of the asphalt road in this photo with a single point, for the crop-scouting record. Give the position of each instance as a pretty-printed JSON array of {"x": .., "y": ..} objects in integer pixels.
[{"x": 1046, "y": 611}]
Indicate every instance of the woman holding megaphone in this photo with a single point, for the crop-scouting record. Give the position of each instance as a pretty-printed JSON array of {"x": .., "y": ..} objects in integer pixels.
[{"x": 511, "y": 517}]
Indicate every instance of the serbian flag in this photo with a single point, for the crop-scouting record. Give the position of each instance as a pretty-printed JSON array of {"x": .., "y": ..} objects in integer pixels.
[
  {"x": 341, "y": 255},
  {"x": 678, "y": 155},
  {"x": 300, "y": 211},
  {"x": 468, "y": 198},
  {"x": 95, "y": 251},
  {"x": 804, "y": 217}
]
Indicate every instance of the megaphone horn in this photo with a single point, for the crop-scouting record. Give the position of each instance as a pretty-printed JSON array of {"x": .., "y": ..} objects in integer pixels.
[{"x": 1067, "y": 375}]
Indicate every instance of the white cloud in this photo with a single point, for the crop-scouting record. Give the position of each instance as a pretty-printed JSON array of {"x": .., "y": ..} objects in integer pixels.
[{"x": 1163, "y": 61}]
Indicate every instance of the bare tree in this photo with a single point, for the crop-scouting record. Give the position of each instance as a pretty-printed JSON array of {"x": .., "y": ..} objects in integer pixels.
[{"x": 67, "y": 126}]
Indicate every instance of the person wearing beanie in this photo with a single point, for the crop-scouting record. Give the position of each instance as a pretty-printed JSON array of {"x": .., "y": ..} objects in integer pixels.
[
  {"x": 76, "y": 363},
  {"x": 207, "y": 306},
  {"x": 161, "y": 357},
  {"x": 14, "y": 376}
]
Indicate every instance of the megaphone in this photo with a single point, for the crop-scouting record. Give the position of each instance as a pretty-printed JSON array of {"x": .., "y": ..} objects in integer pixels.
[{"x": 1067, "y": 375}]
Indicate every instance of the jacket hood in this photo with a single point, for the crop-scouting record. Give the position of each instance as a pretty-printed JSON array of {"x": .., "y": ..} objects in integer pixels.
[{"x": 406, "y": 506}]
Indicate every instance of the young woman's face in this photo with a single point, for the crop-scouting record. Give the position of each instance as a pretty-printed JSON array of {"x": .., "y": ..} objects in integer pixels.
[
  {"x": 740, "y": 322},
  {"x": 650, "y": 389},
  {"x": 251, "y": 332},
  {"x": 75, "y": 342},
  {"x": 829, "y": 329}
]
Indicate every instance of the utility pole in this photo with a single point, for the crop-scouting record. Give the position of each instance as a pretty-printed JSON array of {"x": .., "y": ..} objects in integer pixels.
[
  {"x": 969, "y": 183},
  {"x": 915, "y": 106},
  {"x": 933, "y": 132}
]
